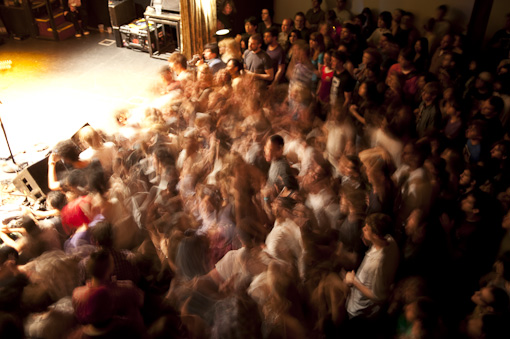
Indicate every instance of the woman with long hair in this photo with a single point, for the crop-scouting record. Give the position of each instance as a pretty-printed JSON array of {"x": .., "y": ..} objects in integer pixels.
[
  {"x": 229, "y": 49},
  {"x": 294, "y": 36},
  {"x": 316, "y": 56}
]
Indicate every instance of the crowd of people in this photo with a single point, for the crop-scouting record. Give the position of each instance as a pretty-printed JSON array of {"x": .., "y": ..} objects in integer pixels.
[{"x": 335, "y": 176}]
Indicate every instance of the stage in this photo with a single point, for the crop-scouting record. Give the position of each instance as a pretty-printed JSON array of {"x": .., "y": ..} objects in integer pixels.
[{"x": 54, "y": 88}]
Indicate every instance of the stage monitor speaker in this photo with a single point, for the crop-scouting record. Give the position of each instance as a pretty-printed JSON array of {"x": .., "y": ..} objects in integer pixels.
[
  {"x": 33, "y": 180},
  {"x": 121, "y": 12}
]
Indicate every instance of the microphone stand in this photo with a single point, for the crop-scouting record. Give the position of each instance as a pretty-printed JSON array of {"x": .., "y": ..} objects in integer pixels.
[{"x": 5, "y": 167}]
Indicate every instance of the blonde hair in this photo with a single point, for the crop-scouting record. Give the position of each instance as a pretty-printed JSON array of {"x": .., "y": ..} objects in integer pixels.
[
  {"x": 206, "y": 73},
  {"x": 232, "y": 49}
]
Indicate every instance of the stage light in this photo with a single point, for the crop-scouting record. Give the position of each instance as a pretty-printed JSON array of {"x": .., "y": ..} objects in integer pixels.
[{"x": 222, "y": 32}]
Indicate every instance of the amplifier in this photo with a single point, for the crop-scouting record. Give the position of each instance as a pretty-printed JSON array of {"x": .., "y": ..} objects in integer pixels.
[{"x": 135, "y": 36}]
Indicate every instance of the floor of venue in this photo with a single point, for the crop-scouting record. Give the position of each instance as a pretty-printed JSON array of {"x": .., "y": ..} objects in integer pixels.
[{"x": 55, "y": 87}]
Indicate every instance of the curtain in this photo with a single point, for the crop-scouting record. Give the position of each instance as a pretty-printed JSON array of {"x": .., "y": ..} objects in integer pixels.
[{"x": 198, "y": 25}]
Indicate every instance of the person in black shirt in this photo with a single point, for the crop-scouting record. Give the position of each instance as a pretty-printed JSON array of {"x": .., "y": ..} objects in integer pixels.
[
  {"x": 343, "y": 83},
  {"x": 267, "y": 21},
  {"x": 300, "y": 25},
  {"x": 226, "y": 16},
  {"x": 500, "y": 42},
  {"x": 250, "y": 27}
]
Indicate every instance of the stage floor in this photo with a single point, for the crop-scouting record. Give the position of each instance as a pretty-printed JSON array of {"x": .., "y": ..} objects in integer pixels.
[{"x": 54, "y": 88}]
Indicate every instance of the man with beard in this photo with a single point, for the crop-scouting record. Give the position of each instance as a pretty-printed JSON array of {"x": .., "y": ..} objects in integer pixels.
[{"x": 257, "y": 63}]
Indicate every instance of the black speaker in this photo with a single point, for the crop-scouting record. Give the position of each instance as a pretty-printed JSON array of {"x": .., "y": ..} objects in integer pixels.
[
  {"x": 33, "y": 180},
  {"x": 121, "y": 12},
  {"x": 18, "y": 22}
]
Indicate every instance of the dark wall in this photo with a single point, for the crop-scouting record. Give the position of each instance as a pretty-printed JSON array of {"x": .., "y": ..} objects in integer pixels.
[
  {"x": 245, "y": 9},
  {"x": 140, "y": 6},
  {"x": 98, "y": 11}
]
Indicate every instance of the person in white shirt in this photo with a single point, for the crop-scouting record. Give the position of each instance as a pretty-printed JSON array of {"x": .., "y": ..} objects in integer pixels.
[
  {"x": 105, "y": 152},
  {"x": 372, "y": 282}
]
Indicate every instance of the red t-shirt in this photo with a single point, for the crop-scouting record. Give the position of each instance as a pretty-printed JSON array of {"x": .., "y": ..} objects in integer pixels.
[
  {"x": 73, "y": 216},
  {"x": 326, "y": 77}
]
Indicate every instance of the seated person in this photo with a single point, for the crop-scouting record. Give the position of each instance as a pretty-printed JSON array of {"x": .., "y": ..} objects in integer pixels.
[{"x": 76, "y": 12}]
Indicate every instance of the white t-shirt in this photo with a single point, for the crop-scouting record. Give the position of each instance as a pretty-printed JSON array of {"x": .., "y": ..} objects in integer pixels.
[
  {"x": 231, "y": 263},
  {"x": 376, "y": 272},
  {"x": 105, "y": 154}
]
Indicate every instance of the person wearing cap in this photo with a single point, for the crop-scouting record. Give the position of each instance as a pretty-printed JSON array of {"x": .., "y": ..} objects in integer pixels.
[{"x": 370, "y": 285}]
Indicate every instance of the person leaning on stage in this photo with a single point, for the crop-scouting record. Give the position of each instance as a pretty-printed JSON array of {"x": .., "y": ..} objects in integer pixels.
[
  {"x": 257, "y": 62},
  {"x": 212, "y": 57},
  {"x": 179, "y": 65},
  {"x": 69, "y": 153}
]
